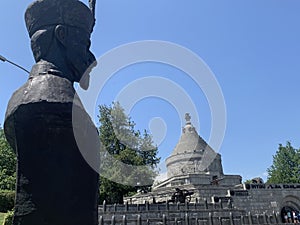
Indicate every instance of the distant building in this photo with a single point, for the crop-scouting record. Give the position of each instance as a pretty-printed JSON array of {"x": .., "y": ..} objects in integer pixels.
[
  {"x": 194, "y": 162},
  {"x": 194, "y": 166}
]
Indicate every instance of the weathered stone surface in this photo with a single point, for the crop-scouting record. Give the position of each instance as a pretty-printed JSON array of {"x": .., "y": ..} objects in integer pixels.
[{"x": 192, "y": 155}]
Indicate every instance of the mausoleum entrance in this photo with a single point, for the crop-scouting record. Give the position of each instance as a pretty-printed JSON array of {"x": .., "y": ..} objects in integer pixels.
[{"x": 287, "y": 213}]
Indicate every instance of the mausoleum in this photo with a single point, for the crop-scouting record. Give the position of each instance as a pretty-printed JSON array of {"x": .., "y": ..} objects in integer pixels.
[
  {"x": 194, "y": 162},
  {"x": 195, "y": 167}
]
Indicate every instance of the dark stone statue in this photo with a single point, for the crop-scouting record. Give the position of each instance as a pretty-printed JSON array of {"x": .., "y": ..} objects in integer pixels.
[{"x": 55, "y": 184}]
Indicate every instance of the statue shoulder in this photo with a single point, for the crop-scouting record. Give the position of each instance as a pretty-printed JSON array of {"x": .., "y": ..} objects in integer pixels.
[{"x": 48, "y": 88}]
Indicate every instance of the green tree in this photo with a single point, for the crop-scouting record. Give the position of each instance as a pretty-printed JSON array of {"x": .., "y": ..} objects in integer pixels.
[
  {"x": 123, "y": 150},
  {"x": 249, "y": 181},
  {"x": 7, "y": 164},
  {"x": 286, "y": 165}
]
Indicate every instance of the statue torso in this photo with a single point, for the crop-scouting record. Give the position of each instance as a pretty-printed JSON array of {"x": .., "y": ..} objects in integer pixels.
[
  {"x": 46, "y": 85},
  {"x": 40, "y": 125}
]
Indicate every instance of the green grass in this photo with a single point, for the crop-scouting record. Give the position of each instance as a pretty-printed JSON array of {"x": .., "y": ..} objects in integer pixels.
[{"x": 2, "y": 218}]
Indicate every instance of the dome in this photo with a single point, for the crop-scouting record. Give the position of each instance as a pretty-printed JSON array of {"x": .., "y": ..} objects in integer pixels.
[{"x": 192, "y": 155}]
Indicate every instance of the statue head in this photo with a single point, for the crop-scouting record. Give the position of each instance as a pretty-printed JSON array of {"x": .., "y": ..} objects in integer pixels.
[{"x": 60, "y": 34}]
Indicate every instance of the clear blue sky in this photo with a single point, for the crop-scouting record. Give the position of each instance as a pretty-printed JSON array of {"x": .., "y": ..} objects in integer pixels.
[{"x": 252, "y": 47}]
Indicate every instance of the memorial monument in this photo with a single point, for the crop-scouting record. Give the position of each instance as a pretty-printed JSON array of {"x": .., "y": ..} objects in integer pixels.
[
  {"x": 199, "y": 189},
  {"x": 55, "y": 184}
]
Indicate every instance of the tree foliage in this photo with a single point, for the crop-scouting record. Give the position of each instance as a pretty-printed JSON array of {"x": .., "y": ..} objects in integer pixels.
[
  {"x": 128, "y": 157},
  {"x": 7, "y": 164},
  {"x": 7, "y": 200},
  {"x": 286, "y": 165}
]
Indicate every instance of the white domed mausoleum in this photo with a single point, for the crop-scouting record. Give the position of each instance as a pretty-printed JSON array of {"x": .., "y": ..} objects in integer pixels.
[
  {"x": 195, "y": 167},
  {"x": 194, "y": 162}
]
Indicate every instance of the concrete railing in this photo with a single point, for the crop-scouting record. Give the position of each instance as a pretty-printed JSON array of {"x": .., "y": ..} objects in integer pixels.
[
  {"x": 186, "y": 219},
  {"x": 184, "y": 214},
  {"x": 198, "y": 205}
]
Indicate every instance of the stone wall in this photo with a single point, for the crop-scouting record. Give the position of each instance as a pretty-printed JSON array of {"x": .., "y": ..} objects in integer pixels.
[
  {"x": 259, "y": 198},
  {"x": 212, "y": 204},
  {"x": 254, "y": 198},
  {"x": 203, "y": 213},
  {"x": 164, "y": 194}
]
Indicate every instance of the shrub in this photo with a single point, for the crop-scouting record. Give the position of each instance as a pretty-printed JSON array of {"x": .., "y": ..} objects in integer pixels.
[
  {"x": 7, "y": 200},
  {"x": 8, "y": 219}
]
